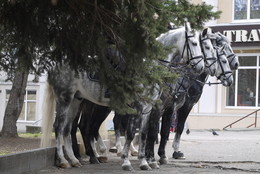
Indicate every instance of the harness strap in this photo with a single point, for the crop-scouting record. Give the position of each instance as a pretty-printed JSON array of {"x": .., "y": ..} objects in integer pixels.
[
  {"x": 211, "y": 58},
  {"x": 204, "y": 54}
]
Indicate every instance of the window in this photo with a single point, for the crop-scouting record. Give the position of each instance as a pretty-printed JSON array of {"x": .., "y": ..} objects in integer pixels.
[
  {"x": 245, "y": 90},
  {"x": 28, "y": 112},
  {"x": 246, "y": 9}
]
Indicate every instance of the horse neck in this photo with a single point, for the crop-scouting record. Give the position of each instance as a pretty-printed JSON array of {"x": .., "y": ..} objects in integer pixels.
[
  {"x": 200, "y": 78},
  {"x": 203, "y": 76},
  {"x": 172, "y": 38}
]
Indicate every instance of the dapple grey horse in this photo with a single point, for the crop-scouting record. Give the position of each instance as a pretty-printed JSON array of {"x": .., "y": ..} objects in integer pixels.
[
  {"x": 210, "y": 62},
  {"x": 220, "y": 42},
  {"x": 68, "y": 89}
]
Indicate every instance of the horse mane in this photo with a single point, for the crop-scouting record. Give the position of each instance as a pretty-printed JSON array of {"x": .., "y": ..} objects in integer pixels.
[
  {"x": 166, "y": 38},
  {"x": 224, "y": 38}
]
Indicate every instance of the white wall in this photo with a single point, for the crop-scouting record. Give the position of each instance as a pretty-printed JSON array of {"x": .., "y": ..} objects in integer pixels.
[
  {"x": 214, "y": 3},
  {"x": 39, "y": 87},
  {"x": 208, "y": 100}
]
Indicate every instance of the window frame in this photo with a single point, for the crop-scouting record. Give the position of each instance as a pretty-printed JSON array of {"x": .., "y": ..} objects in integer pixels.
[
  {"x": 248, "y": 14},
  {"x": 257, "y": 69},
  {"x": 25, "y": 105}
]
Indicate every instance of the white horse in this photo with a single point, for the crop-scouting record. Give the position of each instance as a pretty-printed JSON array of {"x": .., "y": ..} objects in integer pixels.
[
  {"x": 226, "y": 54},
  {"x": 184, "y": 48},
  {"x": 220, "y": 40},
  {"x": 66, "y": 89},
  {"x": 209, "y": 57},
  {"x": 215, "y": 65}
]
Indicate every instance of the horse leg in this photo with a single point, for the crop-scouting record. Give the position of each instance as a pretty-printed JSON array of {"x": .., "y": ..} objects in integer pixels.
[
  {"x": 130, "y": 133},
  {"x": 120, "y": 123},
  {"x": 74, "y": 106},
  {"x": 100, "y": 143},
  {"x": 151, "y": 138},
  {"x": 117, "y": 126},
  {"x": 182, "y": 114},
  {"x": 62, "y": 127},
  {"x": 58, "y": 127},
  {"x": 93, "y": 146},
  {"x": 74, "y": 129},
  {"x": 99, "y": 115},
  {"x": 145, "y": 116},
  {"x": 165, "y": 130},
  {"x": 87, "y": 109},
  {"x": 133, "y": 150},
  {"x": 102, "y": 149}
]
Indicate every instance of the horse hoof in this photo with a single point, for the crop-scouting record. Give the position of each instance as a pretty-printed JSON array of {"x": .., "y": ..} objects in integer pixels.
[
  {"x": 94, "y": 160},
  {"x": 178, "y": 155},
  {"x": 77, "y": 165},
  {"x": 163, "y": 161},
  {"x": 135, "y": 153},
  {"x": 145, "y": 167},
  {"x": 127, "y": 167},
  {"x": 102, "y": 150},
  {"x": 64, "y": 165},
  {"x": 80, "y": 160},
  {"x": 113, "y": 150},
  {"x": 154, "y": 165},
  {"x": 102, "y": 159}
]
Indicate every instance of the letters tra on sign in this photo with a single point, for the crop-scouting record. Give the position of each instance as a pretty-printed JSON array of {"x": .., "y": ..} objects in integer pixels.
[{"x": 241, "y": 35}]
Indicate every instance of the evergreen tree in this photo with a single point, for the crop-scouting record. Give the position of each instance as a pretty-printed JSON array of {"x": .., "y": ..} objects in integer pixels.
[{"x": 79, "y": 32}]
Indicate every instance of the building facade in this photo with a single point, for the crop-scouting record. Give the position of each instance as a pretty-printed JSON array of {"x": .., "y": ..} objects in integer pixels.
[
  {"x": 31, "y": 113},
  {"x": 218, "y": 106}
]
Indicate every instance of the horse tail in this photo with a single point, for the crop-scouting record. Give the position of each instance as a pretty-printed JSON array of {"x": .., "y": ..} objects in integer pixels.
[{"x": 48, "y": 116}]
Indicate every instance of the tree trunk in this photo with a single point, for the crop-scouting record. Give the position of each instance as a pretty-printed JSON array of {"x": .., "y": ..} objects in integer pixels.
[{"x": 15, "y": 103}]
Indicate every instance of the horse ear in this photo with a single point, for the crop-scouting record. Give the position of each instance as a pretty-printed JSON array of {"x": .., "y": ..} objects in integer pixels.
[
  {"x": 187, "y": 26},
  {"x": 207, "y": 31},
  {"x": 212, "y": 36},
  {"x": 219, "y": 36},
  {"x": 204, "y": 32}
]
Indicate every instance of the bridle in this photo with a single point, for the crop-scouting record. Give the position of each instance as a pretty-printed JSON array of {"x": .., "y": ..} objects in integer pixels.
[
  {"x": 181, "y": 87},
  {"x": 221, "y": 42},
  {"x": 214, "y": 59},
  {"x": 225, "y": 74},
  {"x": 188, "y": 49},
  {"x": 231, "y": 57}
]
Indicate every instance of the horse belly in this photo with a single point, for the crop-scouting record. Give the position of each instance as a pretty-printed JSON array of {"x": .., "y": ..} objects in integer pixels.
[{"x": 93, "y": 92}]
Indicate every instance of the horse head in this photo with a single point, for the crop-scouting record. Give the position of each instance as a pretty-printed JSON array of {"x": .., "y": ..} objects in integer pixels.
[
  {"x": 208, "y": 52},
  {"x": 223, "y": 73},
  {"x": 191, "y": 50},
  {"x": 220, "y": 40},
  {"x": 185, "y": 44}
]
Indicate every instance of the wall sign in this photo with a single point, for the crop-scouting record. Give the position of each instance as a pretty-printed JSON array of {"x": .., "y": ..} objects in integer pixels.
[{"x": 241, "y": 35}]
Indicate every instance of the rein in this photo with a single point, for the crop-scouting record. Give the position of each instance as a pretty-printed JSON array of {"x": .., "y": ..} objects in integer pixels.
[
  {"x": 219, "y": 42},
  {"x": 190, "y": 56},
  {"x": 204, "y": 54},
  {"x": 171, "y": 64},
  {"x": 217, "y": 83},
  {"x": 231, "y": 57},
  {"x": 224, "y": 73}
]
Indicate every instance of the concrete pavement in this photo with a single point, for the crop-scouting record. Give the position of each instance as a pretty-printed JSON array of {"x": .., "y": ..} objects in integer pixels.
[{"x": 236, "y": 151}]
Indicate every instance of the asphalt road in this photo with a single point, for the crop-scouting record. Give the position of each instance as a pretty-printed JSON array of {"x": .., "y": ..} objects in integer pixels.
[{"x": 235, "y": 151}]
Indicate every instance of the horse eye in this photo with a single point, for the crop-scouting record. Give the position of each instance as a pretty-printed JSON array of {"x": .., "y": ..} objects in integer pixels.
[
  {"x": 194, "y": 43},
  {"x": 207, "y": 47},
  {"x": 224, "y": 61}
]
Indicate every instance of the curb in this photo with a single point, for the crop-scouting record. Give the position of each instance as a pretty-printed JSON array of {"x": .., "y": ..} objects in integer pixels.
[{"x": 28, "y": 161}]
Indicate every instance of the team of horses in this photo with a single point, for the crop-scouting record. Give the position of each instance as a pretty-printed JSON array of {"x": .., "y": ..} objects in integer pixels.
[{"x": 81, "y": 103}]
